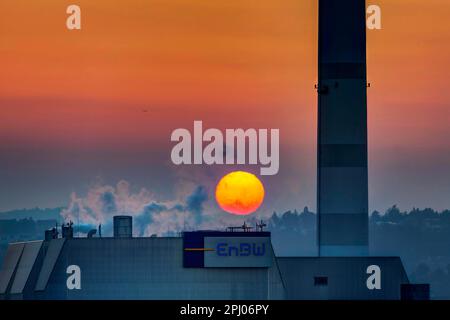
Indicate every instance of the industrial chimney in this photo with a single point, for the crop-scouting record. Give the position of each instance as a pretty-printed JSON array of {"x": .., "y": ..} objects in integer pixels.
[
  {"x": 342, "y": 195},
  {"x": 123, "y": 227}
]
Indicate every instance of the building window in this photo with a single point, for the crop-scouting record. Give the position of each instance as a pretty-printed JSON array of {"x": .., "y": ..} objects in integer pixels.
[{"x": 320, "y": 281}]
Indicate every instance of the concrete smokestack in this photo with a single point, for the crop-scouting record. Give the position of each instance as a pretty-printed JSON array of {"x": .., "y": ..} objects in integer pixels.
[{"x": 342, "y": 195}]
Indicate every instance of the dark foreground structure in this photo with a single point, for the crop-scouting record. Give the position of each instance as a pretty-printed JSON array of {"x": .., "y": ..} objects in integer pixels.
[
  {"x": 342, "y": 195},
  {"x": 198, "y": 265},
  {"x": 242, "y": 265}
]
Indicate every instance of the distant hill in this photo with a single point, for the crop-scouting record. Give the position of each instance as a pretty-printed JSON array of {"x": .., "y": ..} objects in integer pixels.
[{"x": 35, "y": 213}]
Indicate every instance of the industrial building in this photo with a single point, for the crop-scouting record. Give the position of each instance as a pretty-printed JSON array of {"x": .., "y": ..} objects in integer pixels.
[
  {"x": 197, "y": 265},
  {"x": 242, "y": 264}
]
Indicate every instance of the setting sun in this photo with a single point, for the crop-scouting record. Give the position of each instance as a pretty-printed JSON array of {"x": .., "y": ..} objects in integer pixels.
[{"x": 239, "y": 193}]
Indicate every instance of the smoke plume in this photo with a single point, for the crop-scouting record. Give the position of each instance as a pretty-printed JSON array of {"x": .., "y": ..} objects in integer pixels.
[{"x": 150, "y": 216}]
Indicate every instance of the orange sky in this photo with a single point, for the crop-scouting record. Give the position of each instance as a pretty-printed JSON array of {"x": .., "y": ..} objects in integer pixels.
[{"x": 235, "y": 63}]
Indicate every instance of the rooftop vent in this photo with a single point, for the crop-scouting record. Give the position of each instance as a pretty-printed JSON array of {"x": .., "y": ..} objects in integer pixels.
[{"x": 123, "y": 227}]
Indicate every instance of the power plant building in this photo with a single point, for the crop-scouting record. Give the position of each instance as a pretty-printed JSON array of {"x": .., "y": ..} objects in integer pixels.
[{"x": 198, "y": 265}]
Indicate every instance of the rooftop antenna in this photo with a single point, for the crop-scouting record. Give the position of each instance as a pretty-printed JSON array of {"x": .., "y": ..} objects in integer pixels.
[
  {"x": 261, "y": 225},
  {"x": 245, "y": 227}
]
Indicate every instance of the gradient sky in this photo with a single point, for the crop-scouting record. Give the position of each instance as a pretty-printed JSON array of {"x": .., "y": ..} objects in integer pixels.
[{"x": 100, "y": 103}]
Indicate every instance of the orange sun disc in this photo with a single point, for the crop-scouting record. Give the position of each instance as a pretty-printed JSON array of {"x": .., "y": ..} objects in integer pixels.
[{"x": 239, "y": 193}]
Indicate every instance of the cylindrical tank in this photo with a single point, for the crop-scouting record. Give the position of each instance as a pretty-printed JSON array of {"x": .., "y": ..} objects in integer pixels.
[{"x": 123, "y": 226}]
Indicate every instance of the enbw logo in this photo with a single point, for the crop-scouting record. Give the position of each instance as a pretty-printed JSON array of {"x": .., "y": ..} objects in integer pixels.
[{"x": 243, "y": 250}]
